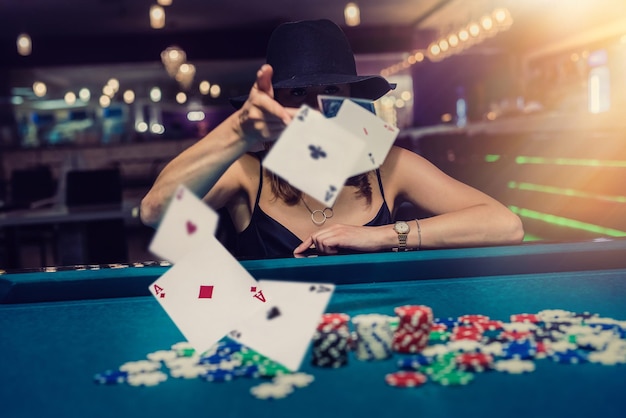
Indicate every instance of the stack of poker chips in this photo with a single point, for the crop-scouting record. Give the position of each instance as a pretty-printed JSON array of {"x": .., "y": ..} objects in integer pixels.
[
  {"x": 415, "y": 322},
  {"x": 374, "y": 336},
  {"x": 331, "y": 341}
]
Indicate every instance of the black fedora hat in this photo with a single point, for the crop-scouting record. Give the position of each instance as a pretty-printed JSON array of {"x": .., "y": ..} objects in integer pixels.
[{"x": 311, "y": 53}]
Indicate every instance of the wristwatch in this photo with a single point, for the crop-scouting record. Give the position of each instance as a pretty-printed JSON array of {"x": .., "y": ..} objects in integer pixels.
[{"x": 402, "y": 229}]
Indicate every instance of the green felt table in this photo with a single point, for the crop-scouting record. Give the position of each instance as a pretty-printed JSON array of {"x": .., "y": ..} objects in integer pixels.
[{"x": 59, "y": 328}]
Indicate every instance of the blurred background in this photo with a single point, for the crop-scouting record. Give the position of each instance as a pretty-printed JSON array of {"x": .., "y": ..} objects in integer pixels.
[{"x": 525, "y": 100}]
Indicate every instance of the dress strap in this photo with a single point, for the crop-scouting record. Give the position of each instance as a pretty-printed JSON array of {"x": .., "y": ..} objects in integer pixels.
[
  {"x": 258, "y": 193},
  {"x": 380, "y": 184}
]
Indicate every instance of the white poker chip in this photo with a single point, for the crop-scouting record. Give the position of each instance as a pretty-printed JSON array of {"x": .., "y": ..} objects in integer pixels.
[
  {"x": 607, "y": 358},
  {"x": 519, "y": 326},
  {"x": 140, "y": 366},
  {"x": 552, "y": 315},
  {"x": 162, "y": 355},
  {"x": 188, "y": 372},
  {"x": 435, "y": 350},
  {"x": 182, "y": 362},
  {"x": 182, "y": 345},
  {"x": 298, "y": 380},
  {"x": 147, "y": 378},
  {"x": 271, "y": 391},
  {"x": 561, "y": 346},
  {"x": 464, "y": 346},
  {"x": 495, "y": 349},
  {"x": 514, "y": 366}
]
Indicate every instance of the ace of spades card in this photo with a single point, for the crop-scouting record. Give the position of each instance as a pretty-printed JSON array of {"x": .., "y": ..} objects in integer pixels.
[
  {"x": 283, "y": 330},
  {"x": 315, "y": 155},
  {"x": 188, "y": 223},
  {"x": 207, "y": 293}
]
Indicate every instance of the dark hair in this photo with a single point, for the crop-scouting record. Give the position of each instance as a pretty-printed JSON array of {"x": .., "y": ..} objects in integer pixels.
[{"x": 290, "y": 195}]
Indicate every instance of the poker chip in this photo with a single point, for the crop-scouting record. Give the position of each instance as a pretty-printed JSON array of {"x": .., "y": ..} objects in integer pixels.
[
  {"x": 526, "y": 318},
  {"x": 473, "y": 319},
  {"x": 271, "y": 391},
  {"x": 514, "y": 366},
  {"x": 296, "y": 380},
  {"x": 454, "y": 378},
  {"x": 476, "y": 362},
  {"x": 218, "y": 376},
  {"x": 405, "y": 379},
  {"x": 189, "y": 372},
  {"x": 140, "y": 366},
  {"x": 111, "y": 377},
  {"x": 146, "y": 378},
  {"x": 162, "y": 355}
]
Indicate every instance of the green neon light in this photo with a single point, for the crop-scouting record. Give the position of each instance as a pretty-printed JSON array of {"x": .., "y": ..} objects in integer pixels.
[
  {"x": 570, "y": 161},
  {"x": 492, "y": 158},
  {"x": 566, "y": 222},
  {"x": 565, "y": 192}
]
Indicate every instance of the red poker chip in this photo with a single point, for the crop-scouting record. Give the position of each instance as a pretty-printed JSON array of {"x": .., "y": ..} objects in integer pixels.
[
  {"x": 438, "y": 327},
  {"x": 491, "y": 325},
  {"x": 479, "y": 359},
  {"x": 466, "y": 336},
  {"x": 473, "y": 319},
  {"x": 405, "y": 379},
  {"x": 528, "y": 318}
]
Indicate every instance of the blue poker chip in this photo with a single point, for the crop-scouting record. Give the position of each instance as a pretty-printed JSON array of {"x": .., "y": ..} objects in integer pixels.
[
  {"x": 111, "y": 377},
  {"x": 219, "y": 375},
  {"x": 251, "y": 370},
  {"x": 214, "y": 359},
  {"x": 448, "y": 322},
  {"x": 570, "y": 357},
  {"x": 414, "y": 362},
  {"x": 520, "y": 350}
]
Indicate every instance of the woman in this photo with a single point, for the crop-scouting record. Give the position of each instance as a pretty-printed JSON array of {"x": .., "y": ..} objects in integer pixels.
[{"x": 273, "y": 219}]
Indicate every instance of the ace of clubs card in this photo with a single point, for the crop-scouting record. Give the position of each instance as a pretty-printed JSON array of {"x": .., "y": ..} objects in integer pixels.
[{"x": 315, "y": 155}]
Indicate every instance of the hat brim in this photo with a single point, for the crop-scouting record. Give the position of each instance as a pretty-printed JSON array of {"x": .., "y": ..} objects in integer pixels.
[{"x": 369, "y": 87}]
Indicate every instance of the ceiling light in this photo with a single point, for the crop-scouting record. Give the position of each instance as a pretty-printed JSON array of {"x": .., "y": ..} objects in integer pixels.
[
  {"x": 165, "y": 2},
  {"x": 157, "y": 17},
  {"x": 204, "y": 87},
  {"x": 39, "y": 89},
  {"x": 114, "y": 83},
  {"x": 84, "y": 94},
  {"x": 352, "y": 14},
  {"x": 128, "y": 96},
  {"x": 70, "y": 98},
  {"x": 105, "y": 101},
  {"x": 185, "y": 75},
  {"x": 172, "y": 58},
  {"x": 181, "y": 97},
  {"x": 155, "y": 94},
  {"x": 24, "y": 44},
  {"x": 215, "y": 91}
]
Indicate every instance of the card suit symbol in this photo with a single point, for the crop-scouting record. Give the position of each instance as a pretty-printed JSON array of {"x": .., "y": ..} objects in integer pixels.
[
  {"x": 235, "y": 334},
  {"x": 191, "y": 227},
  {"x": 302, "y": 115},
  {"x": 317, "y": 152},
  {"x": 162, "y": 295},
  {"x": 273, "y": 313},
  {"x": 365, "y": 130},
  {"x": 371, "y": 158},
  {"x": 206, "y": 292},
  {"x": 330, "y": 193},
  {"x": 253, "y": 288},
  {"x": 312, "y": 288}
]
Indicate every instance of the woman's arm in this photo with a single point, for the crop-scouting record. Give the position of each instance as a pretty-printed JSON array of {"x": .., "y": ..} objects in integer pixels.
[
  {"x": 213, "y": 167},
  {"x": 463, "y": 216}
]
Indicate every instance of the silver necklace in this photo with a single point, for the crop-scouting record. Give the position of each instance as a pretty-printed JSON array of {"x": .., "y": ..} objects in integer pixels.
[{"x": 319, "y": 216}]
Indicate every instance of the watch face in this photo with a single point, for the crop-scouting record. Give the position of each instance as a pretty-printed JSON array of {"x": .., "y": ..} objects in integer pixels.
[{"x": 401, "y": 227}]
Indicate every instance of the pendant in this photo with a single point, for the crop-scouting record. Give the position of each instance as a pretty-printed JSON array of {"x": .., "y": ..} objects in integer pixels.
[{"x": 318, "y": 217}]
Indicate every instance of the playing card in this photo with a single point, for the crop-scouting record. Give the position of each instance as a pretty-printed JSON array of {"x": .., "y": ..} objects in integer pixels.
[
  {"x": 188, "y": 223},
  {"x": 330, "y": 105},
  {"x": 207, "y": 293},
  {"x": 378, "y": 135},
  {"x": 283, "y": 330},
  {"x": 315, "y": 155}
]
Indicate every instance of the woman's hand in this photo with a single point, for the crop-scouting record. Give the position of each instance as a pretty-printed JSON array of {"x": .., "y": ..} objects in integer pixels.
[
  {"x": 360, "y": 238},
  {"x": 261, "y": 118}
]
